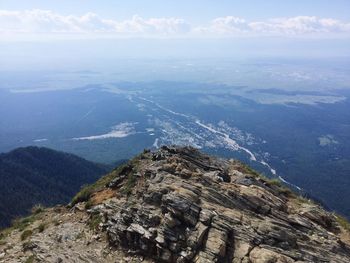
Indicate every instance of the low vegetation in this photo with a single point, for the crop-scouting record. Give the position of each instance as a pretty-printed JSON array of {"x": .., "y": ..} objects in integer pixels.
[
  {"x": 81, "y": 235},
  {"x": 95, "y": 221},
  {"x": 41, "y": 227},
  {"x": 88, "y": 204},
  {"x": 22, "y": 223},
  {"x": 242, "y": 167},
  {"x": 343, "y": 222},
  {"x": 26, "y": 233},
  {"x": 274, "y": 182},
  {"x": 286, "y": 191},
  {"x": 87, "y": 190},
  {"x": 129, "y": 184},
  {"x": 30, "y": 259},
  {"x": 303, "y": 200},
  {"x": 37, "y": 209},
  {"x": 56, "y": 222}
]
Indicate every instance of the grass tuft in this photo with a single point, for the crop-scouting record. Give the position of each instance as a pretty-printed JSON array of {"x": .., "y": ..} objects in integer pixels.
[
  {"x": 274, "y": 182},
  {"x": 22, "y": 223},
  {"x": 37, "y": 209},
  {"x": 343, "y": 222},
  {"x": 130, "y": 184},
  {"x": 87, "y": 190},
  {"x": 26, "y": 233},
  {"x": 41, "y": 227},
  {"x": 246, "y": 169},
  {"x": 30, "y": 259},
  {"x": 95, "y": 221},
  {"x": 56, "y": 222},
  {"x": 88, "y": 204}
]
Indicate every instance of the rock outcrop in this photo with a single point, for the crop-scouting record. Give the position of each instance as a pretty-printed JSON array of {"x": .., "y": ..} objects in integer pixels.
[{"x": 180, "y": 205}]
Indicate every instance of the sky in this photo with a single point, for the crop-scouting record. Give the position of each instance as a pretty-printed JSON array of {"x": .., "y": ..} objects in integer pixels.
[
  {"x": 191, "y": 10},
  {"x": 46, "y": 29},
  {"x": 38, "y": 19}
]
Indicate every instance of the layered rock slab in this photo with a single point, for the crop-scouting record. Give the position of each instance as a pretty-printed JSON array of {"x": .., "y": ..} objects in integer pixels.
[
  {"x": 179, "y": 205},
  {"x": 195, "y": 208}
]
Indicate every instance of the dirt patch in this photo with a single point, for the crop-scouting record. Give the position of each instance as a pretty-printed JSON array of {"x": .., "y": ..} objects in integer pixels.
[
  {"x": 345, "y": 237},
  {"x": 101, "y": 196}
]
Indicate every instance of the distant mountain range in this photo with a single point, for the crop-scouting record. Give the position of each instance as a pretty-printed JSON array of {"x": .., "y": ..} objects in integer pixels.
[{"x": 33, "y": 175}]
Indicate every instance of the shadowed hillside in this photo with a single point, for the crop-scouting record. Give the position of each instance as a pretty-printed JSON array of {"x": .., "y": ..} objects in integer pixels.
[{"x": 34, "y": 175}]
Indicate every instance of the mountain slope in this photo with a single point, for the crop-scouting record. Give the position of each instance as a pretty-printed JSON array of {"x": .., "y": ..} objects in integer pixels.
[
  {"x": 179, "y": 205},
  {"x": 35, "y": 175}
]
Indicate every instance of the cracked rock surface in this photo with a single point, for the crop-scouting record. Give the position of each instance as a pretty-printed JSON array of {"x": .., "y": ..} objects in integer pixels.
[{"x": 180, "y": 205}]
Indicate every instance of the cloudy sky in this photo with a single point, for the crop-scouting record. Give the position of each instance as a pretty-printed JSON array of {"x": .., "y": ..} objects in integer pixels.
[
  {"x": 47, "y": 33},
  {"x": 69, "y": 19}
]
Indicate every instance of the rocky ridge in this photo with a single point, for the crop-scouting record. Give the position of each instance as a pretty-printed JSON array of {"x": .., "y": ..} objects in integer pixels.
[{"x": 180, "y": 205}]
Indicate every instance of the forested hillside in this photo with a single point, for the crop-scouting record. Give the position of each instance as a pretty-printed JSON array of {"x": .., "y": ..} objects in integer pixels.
[{"x": 33, "y": 175}]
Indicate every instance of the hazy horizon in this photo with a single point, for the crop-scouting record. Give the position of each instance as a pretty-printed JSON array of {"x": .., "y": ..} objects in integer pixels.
[{"x": 37, "y": 35}]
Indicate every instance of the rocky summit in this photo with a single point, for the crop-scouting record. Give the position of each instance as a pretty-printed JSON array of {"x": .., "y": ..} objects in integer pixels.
[{"x": 179, "y": 205}]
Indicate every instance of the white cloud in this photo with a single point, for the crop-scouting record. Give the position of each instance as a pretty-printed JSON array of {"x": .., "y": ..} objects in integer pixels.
[
  {"x": 300, "y": 25},
  {"x": 47, "y": 23},
  {"x": 225, "y": 25},
  {"x": 162, "y": 26},
  {"x": 43, "y": 21}
]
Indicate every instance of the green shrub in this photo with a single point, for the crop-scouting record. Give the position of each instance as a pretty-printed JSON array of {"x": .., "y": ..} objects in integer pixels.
[
  {"x": 274, "y": 182},
  {"x": 246, "y": 169},
  {"x": 88, "y": 204},
  {"x": 83, "y": 195},
  {"x": 25, "y": 234},
  {"x": 5, "y": 233},
  {"x": 36, "y": 209},
  {"x": 22, "y": 223},
  {"x": 303, "y": 200},
  {"x": 286, "y": 191},
  {"x": 41, "y": 227},
  {"x": 87, "y": 190},
  {"x": 343, "y": 222},
  {"x": 94, "y": 221}
]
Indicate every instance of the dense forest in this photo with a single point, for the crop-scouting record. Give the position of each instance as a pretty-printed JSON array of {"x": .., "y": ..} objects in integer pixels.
[{"x": 33, "y": 175}]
